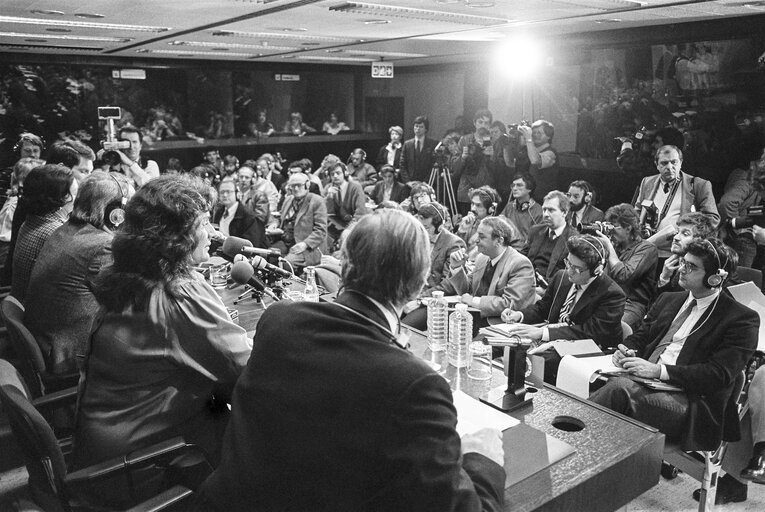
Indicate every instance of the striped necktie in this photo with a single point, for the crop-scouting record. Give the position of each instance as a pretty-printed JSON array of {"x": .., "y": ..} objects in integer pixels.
[
  {"x": 565, "y": 311},
  {"x": 667, "y": 339}
]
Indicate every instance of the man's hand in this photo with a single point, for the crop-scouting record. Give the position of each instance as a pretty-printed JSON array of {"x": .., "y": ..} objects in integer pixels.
[
  {"x": 487, "y": 442},
  {"x": 526, "y": 331},
  {"x": 298, "y": 248},
  {"x": 466, "y": 298},
  {"x": 509, "y": 316},
  {"x": 525, "y": 131},
  {"x": 641, "y": 368},
  {"x": 670, "y": 267},
  {"x": 621, "y": 354},
  {"x": 467, "y": 221},
  {"x": 458, "y": 258},
  {"x": 488, "y": 151},
  {"x": 759, "y": 234}
]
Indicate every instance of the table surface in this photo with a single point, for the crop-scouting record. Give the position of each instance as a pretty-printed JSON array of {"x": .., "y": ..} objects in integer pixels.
[{"x": 616, "y": 458}]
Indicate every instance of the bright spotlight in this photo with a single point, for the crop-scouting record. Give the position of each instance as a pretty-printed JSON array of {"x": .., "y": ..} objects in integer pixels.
[{"x": 519, "y": 57}]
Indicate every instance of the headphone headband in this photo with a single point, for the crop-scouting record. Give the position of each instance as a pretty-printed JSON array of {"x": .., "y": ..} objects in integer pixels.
[{"x": 600, "y": 252}]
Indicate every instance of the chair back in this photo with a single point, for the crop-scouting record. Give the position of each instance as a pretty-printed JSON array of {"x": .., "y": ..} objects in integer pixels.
[
  {"x": 39, "y": 446},
  {"x": 750, "y": 274},
  {"x": 25, "y": 344},
  {"x": 626, "y": 330}
]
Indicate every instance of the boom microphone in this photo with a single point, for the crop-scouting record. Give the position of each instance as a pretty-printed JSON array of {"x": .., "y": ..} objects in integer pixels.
[
  {"x": 243, "y": 273},
  {"x": 234, "y": 245},
  {"x": 262, "y": 264}
]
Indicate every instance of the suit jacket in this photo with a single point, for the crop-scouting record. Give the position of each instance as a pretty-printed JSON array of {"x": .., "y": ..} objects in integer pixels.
[
  {"x": 416, "y": 166},
  {"x": 353, "y": 204},
  {"x": 591, "y": 214},
  {"x": 382, "y": 156},
  {"x": 397, "y": 194},
  {"x": 719, "y": 347},
  {"x": 244, "y": 225},
  {"x": 512, "y": 285},
  {"x": 533, "y": 248},
  {"x": 342, "y": 419},
  {"x": 596, "y": 315},
  {"x": 694, "y": 192},
  {"x": 446, "y": 243},
  {"x": 310, "y": 225}
]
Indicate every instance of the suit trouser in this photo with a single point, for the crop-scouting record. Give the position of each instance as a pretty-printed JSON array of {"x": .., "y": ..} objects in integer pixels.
[
  {"x": 666, "y": 411},
  {"x": 757, "y": 405}
]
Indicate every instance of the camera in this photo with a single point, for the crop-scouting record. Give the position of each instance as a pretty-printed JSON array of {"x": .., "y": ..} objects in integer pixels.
[
  {"x": 754, "y": 217},
  {"x": 111, "y": 144},
  {"x": 591, "y": 229},
  {"x": 512, "y": 129},
  {"x": 441, "y": 155}
]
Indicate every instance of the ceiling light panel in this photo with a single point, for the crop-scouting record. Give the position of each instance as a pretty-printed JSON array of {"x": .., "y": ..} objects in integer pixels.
[
  {"x": 67, "y": 37},
  {"x": 242, "y": 46},
  {"x": 442, "y": 15},
  {"x": 58, "y": 22}
]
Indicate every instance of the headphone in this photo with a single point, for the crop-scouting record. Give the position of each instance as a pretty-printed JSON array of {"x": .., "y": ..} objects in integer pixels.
[
  {"x": 522, "y": 207},
  {"x": 600, "y": 252},
  {"x": 116, "y": 214},
  {"x": 363, "y": 154},
  {"x": 713, "y": 280},
  {"x": 342, "y": 166},
  {"x": 436, "y": 208},
  {"x": 489, "y": 198}
]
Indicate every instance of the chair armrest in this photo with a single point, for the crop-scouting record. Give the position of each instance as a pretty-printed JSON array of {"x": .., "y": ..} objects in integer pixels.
[
  {"x": 169, "y": 498},
  {"x": 55, "y": 400}
]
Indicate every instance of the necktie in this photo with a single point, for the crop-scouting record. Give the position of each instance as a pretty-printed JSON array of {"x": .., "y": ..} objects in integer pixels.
[
  {"x": 574, "y": 223},
  {"x": 565, "y": 311},
  {"x": 485, "y": 284},
  {"x": 667, "y": 339},
  {"x": 225, "y": 213},
  {"x": 666, "y": 188},
  {"x": 551, "y": 234},
  {"x": 417, "y": 145}
]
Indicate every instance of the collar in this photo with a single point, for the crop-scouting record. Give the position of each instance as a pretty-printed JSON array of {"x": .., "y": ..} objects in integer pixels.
[
  {"x": 232, "y": 209},
  {"x": 704, "y": 302},
  {"x": 393, "y": 321},
  {"x": 494, "y": 261},
  {"x": 558, "y": 231},
  {"x": 679, "y": 177}
]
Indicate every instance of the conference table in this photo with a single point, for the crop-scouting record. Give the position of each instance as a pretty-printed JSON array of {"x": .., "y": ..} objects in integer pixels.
[{"x": 607, "y": 459}]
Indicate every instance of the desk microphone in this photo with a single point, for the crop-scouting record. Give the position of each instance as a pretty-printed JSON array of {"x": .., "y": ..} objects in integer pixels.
[
  {"x": 243, "y": 273},
  {"x": 262, "y": 264},
  {"x": 234, "y": 245}
]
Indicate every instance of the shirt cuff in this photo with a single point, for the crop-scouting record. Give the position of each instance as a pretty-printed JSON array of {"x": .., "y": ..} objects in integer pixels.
[
  {"x": 664, "y": 375},
  {"x": 545, "y": 334},
  {"x": 520, "y": 320},
  {"x": 476, "y": 302}
]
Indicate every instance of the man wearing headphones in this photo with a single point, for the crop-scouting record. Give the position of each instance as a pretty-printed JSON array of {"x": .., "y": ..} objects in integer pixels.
[
  {"x": 483, "y": 203},
  {"x": 360, "y": 171},
  {"x": 699, "y": 341},
  {"x": 522, "y": 210},
  {"x": 60, "y": 306},
  {"x": 546, "y": 245},
  {"x": 662, "y": 198},
  {"x": 581, "y": 210},
  {"x": 581, "y": 302},
  {"x": 236, "y": 220},
  {"x": 346, "y": 202}
]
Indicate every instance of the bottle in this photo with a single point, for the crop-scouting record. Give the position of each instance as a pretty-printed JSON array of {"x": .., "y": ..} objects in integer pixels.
[
  {"x": 438, "y": 321},
  {"x": 460, "y": 335},
  {"x": 311, "y": 291}
]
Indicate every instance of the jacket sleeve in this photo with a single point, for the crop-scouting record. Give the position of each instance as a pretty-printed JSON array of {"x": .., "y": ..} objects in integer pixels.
[
  {"x": 635, "y": 267},
  {"x": 736, "y": 193},
  {"x": 705, "y": 201},
  {"x": 603, "y": 326},
  {"x": 641, "y": 337},
  {"x": 540, "y": 310},
  {"x": 319, "y": 231},
  {"x": 403, "y": 165},
  {"x": 423, "y": 448},
  {"x": 517, "y": 293}
]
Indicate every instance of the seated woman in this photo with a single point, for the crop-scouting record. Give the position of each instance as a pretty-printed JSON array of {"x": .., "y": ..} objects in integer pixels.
[
  {"x": 296, "y": 126},
  {"x": 164, "y": 354},
  {"x": 334, "y": 126}
]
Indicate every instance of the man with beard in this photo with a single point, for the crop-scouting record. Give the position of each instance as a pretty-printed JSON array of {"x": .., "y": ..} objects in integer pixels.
[{"x": 581, "y": 210}]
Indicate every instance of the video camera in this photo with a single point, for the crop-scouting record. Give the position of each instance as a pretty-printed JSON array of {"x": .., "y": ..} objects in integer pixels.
[
  {"x": 111, "y": 144},
  {"x": 755, "y": 216},
  {"x": 512, "y": 129},
  {"x": 644, "y": 134},
  {"x": 591, "y": 229}
]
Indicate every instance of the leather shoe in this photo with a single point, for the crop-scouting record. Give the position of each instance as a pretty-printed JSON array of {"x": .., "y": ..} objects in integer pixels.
[
  {"x": 729, "y": 490},
  {"x": 755, "y": 471}
]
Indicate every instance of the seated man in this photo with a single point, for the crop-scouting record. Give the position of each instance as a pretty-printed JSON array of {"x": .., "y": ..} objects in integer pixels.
[
  {"x": 690, "y": 227},
  {"x": 483, "y": 203},
  {"x": 331, "y": 414},
  {"x": 389, "y": 188},
  {"x": 546, "y": 246},
  {"x": 443, "y": 243},
  {"x": 522, "y": 210},
  {"x": 699, "y": 340},
  {"x": 234, "y": 219},
  {"x": 254, "y": 200},
  {"x": 581, "y": 302},
  {"x": 346, "y": 202},
  {"x": 581, "y": 210},
  {"x": 302, "y": 224}
]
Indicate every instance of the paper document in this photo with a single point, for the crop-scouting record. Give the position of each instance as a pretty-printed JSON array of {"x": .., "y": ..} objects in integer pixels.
[
  {"x": 576, "y": 373},
  {"x": 750, "y": 296},
  {"x": 472, "y": 415}
]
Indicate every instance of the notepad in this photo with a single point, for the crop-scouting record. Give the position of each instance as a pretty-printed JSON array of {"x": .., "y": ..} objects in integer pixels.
[{"x": 473, "y": 415}]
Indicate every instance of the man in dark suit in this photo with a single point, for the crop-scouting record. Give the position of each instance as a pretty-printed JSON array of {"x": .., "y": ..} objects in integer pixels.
[
  {"x": 442, "y": 242},
  {"x": 699, "y": 340},
  {"x": 332, "y": 413},
  {"x": 546, "y": 245},
  {"x": 581, "y": 210},
  {"x": 346, "y": 202},
  {"x": 236, "y": 220},
  {"x": 417, "y": 153},
  {"x": 581, "y": 302},
  {"x": 389, "y": 188}
]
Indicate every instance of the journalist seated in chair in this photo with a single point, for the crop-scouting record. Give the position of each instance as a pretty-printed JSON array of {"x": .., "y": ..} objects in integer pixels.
[
  {"x": 581, "y": 302},
  {"x": 234, "y": 219},
  {"x": 692, "y": 226},
  {"x": 698, "y": 340},
  {"x": 60, "y": 306},
  {"x": 164, "y": 354}
]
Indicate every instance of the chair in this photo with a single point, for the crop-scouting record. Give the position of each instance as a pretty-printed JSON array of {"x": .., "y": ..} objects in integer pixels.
[
  {"x": 750, "y": 274},
  {"x": 626, "y": 330},
  {"x": 50, "y": 485},
  {"x": 31, "y": 361}
]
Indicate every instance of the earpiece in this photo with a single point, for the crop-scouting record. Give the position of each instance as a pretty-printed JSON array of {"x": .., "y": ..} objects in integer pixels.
[
  {"x": 116, "y": 215},
  {"x": 714, "y": 280},
  {"x": 521, "y": 207}
]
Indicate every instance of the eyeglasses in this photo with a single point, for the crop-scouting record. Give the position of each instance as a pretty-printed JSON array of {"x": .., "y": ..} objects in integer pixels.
[
  {"x": 665, "y": 163},
  {"x": 686, "y": 267},
  {"x": 571, "y": 266},
  {"x": 295, "y": 185}
]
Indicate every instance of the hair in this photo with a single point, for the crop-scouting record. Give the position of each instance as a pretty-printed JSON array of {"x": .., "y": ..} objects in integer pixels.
[
  {"x": 297, "y": 164},
  {"x": 33, "y": 139},
  {"x": 153, "y": 247},
  {"x": 21, "y": 170},
  {"x": 387, "y": 168},
  {"x": 396, "y": 129},
  {"x": 62, "y": 154},
  {"x": 699, "y": 223},
  {"x": 231, "y": 160},
  {"x": 500, "y": 125},
  {"x": 488, "y": 196},
  {"x": 665, "y": 148},
  {"x": 387, "y": 257},
  {"x": 434, "y": 211},
  {"x": 528, "y": 179},
  {"x": 625, "y": 216},
  {"x": 422, "y": 120},
  {"x": 251, "y": 163},
  {"x": 419, "y": 187},
  {"x": 563, "y": 202},
  {"x": 484, "y": 112},
  {"x": 307, "y": 164},
  {"x": 98, "y": 192},
  {"x": 588, "y": 249},
  {"x": 547, "y": 126},
  {"x": 130, "y": 129},
  {"x": 714, "y": 254},
  {"x": 46, "y": 188},
  {"x": 501, "y": 227},
  {"x": 174, "y": 164},
  {"x": 204, "y": 171}
]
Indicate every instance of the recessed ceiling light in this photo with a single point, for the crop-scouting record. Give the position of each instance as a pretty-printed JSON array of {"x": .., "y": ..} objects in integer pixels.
[
  {"x": 82, "y": 24},
  {"x": 277, "y": 35},
  {"x": 88, "y": 15},
  {"x": 479, "y": 4},
  {"x": 292, "y": 29},
  {"x": 203, "y": 53},
  {"x": 57, "y": 29},
  {"x": 376, "y": 22},
  {"x": 68, "y": 37},
  {"x": 447, "y": 2},
  {"x": 612, "y": 20},
  {"x": 47, "y": 12},
  {"x": 335, "y": 50},
  {"x": 324, "y": 58},
  {"x": 226, "y": 46}
]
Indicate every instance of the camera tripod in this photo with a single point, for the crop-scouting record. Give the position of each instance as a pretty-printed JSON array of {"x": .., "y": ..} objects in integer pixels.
[{"x": 441, "y": 181}]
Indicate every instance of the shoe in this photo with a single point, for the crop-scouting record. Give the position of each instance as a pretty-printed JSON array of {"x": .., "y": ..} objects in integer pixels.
[
  {"x": 755, "y": 471},
  {"x": 729, "y": 490}
]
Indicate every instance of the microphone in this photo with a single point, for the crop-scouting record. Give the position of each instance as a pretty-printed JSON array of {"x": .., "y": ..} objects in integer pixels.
[
  {"x": 235, "y": 245},
  {"x": 243, "y": 273},
  {"x": 260, "y": 263}
]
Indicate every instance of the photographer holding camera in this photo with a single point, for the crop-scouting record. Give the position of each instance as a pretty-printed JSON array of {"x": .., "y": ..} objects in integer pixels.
[
  {"x": 129, "y": 161},
  {"x": 631, "y": 261},
  {"x": 539, "y": 158},
  {"x": 636, "y": 153}
]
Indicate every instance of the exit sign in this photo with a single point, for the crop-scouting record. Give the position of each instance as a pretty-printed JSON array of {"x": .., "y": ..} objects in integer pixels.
[{"x": 382, "y": 70}]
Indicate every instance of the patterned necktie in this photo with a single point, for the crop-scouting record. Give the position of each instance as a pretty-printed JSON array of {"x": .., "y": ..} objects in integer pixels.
[
  {"x": 667, "y": 339},
  {"x": 485, "y": 284},
  {"x": 565, "y": 311}
]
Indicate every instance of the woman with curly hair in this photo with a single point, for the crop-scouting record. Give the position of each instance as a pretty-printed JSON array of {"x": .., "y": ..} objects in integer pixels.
[{"x": 164, "y": 355}]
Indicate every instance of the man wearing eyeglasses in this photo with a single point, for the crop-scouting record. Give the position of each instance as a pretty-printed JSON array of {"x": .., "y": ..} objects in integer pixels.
[
  {"x": 698, "y": 340},
  {"x": 662, "y": 198},
  {"x": 581, "y": 302}
]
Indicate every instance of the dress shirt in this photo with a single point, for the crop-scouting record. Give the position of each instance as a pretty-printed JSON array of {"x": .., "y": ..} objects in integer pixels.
[
  {"x": 669, "y": 356},
  {"x": 673, "y": 213},
  {"x": 476, "y": 301},
  {"x": 225, "y": 219},
  {"x": 556, "y": 232},
  {"x": 393, "y": 322},
  {"x": 579, "y": 293}
]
